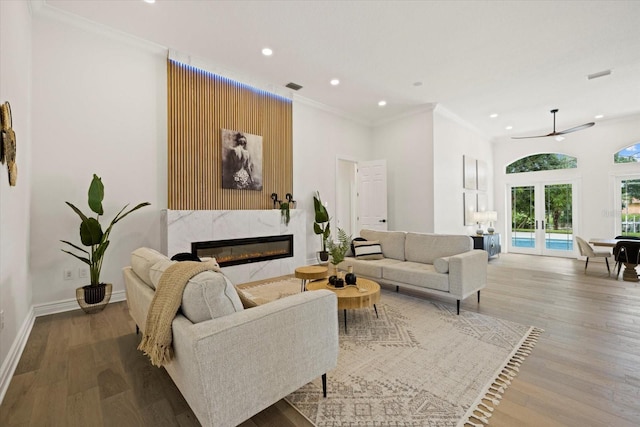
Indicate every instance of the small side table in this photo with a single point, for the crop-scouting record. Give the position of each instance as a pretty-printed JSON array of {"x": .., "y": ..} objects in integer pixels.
[{"x": 310, "y": 272}]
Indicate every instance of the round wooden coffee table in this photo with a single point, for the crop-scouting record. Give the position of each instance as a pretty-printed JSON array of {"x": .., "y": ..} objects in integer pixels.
[
  {"x": 310, "y": 272},
  {"x": 366, "y": 294}
]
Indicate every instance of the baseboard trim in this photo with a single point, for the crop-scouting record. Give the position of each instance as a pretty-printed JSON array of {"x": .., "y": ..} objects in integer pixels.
[
  {"x": 70, "y": 304},
  {"x": 11, "y": 361},
  {"x": 15, "y": 352}
]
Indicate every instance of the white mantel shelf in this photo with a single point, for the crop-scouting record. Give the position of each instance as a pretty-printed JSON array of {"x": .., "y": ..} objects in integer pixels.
[{"x": 181, "y": 228}]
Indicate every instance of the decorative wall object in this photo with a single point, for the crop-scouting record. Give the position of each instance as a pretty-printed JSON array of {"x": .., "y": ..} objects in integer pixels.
[
  {"x": 469, "y": 173},
  {"x": 481, "y": 170},
  {"x": 469, "y": 207},
  {"x": 8, "y": 143},
  {"x": 482, "y": 203},
  {"x": 241, "y": 160},
  {"x": 199, "y": 105}
]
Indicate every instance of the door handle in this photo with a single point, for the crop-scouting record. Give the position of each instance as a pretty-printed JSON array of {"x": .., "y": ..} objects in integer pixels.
[
  {"x": 536, "y": 224},
  {"x": 543, "y": 225},
  {"x": 382, "y": 220}
]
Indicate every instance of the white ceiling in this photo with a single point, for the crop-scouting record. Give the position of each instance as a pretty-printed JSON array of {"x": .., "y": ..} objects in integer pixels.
[{"x": 515, "y": 58}]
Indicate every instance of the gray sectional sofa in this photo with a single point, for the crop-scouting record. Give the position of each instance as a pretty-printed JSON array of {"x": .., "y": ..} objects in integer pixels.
[
  {"x": 229, "y": 362},
  {"x": 441, "y": 264}
]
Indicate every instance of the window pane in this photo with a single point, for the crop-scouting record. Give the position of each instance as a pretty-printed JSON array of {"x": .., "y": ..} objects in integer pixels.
[
  {"x": 630, "y": 154},
  {"x": 630, "y": 218},
  {"x": 542, "y": 162}
]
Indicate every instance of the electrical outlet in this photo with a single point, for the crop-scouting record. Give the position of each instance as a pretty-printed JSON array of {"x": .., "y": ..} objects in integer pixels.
[
  {"x": 83, "y": 273},
  {"x": 1, "y": 320},
  {"x": 67, "y": 274}
]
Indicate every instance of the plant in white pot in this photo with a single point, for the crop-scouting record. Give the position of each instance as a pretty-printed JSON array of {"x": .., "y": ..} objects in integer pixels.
[{"x": 97, "y": 240}]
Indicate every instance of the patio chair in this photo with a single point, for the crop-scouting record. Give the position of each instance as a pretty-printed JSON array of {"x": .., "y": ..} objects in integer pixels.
[{"x": 588, "y": 251}]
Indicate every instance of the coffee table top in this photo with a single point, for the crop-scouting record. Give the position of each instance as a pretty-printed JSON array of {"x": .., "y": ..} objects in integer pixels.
[{"x": 350, "y": 296}]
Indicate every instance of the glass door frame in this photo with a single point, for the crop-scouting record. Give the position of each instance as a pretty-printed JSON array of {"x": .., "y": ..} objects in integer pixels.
[
  {"x": 617, "y": 199},
  {"x": 540, "y": 220}
]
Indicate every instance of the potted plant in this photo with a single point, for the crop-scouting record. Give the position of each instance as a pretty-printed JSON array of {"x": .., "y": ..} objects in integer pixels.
[
  {"x": 338, "y": 249},
  {"x": 321, "y": 225},
  {"x": 93, "y": 237}
]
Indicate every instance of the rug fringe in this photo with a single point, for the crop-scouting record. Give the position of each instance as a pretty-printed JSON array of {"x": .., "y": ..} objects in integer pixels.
[{"x": 480, "y": 412}]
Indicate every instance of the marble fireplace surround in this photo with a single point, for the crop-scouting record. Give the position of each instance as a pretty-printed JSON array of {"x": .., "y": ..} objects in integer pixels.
[{"x": 181, "y": 227}]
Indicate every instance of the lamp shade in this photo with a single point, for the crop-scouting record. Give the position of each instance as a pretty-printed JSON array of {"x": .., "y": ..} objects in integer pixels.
[{"x": 492, "y": 216}]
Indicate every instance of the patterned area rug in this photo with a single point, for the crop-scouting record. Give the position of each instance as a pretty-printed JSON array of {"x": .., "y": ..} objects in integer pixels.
[{"x": 418, "y": 364}]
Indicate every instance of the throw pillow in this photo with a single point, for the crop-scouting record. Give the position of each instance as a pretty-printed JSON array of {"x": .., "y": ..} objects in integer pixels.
[
  {"x": 369, "y": 249},
  {"x": 357, "y": 239},
  {"x": 441, "y": 264}
]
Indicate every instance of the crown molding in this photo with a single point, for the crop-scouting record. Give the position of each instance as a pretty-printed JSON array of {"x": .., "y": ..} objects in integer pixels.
[
  {"x": 422, "y": 108},
  {"x": 40, "y": 8},
  {"x": 445, "y": 112}
]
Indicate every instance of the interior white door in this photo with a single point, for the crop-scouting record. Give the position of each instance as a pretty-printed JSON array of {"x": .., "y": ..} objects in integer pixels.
[{"x": 372, "y": 195}]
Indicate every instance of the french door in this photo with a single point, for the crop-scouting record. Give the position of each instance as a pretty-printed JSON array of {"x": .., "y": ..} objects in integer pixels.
[{"x": 541, "y": 217}]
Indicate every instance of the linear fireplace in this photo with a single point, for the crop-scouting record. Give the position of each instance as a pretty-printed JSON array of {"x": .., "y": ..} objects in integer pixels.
[{"x": 244, "y": 251}]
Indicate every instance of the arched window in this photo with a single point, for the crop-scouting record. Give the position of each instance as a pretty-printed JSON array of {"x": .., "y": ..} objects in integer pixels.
[
  {"x": 631, "y": 154},
  {"x": 542, "y": 162}
]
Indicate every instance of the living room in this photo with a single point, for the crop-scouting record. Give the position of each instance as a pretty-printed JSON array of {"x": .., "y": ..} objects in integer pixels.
[{"x": 87, "y": 99}]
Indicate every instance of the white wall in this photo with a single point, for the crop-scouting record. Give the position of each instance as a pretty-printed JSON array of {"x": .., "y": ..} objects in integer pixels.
[
  {"x": 319, "y": 138},
  {"x": 453, "y": 138},
  {"x": 99, "y": 106},
  {"x": 15, "y": 87},
  {"x": 594, "y": 149}
]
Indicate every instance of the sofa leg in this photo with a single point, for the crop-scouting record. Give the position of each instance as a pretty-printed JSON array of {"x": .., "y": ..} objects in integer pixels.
[
  {"x": 458, "y": 304},
  {"x": 478, "y": 297},
  {"x": 137, "y": 330},
  {"x": 397, "y": 288},
  {"x": 324, "y": 385}
]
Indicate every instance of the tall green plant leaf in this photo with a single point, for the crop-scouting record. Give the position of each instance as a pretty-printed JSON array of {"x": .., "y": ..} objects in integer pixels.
[
  {"x": 90, "y": 232},
  {"x": 96, "y": 195}
]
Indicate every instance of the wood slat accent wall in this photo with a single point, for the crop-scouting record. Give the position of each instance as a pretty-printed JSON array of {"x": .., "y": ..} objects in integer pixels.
[{"x": 200, "y": 104}]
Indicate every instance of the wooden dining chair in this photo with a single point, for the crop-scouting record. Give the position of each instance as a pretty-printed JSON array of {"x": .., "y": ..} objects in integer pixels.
[{"x": 588, "y": 251}]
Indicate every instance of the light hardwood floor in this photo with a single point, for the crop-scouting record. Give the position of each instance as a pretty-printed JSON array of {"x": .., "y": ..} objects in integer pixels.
[{"x": 85, "y": 370}]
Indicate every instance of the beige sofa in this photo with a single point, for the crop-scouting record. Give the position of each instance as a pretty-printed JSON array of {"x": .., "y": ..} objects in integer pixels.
[
  {"x": 441, "y": 264},
  {"x": 231, "y": 363}
]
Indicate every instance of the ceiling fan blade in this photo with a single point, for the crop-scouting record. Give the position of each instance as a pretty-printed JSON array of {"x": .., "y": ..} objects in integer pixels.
[
  {"x": 526, "y": 137},
  {"x": 584, "y": 126}
]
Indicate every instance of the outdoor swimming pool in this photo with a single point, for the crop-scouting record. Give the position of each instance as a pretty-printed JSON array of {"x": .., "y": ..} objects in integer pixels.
[{"x": 556, "y": 244}]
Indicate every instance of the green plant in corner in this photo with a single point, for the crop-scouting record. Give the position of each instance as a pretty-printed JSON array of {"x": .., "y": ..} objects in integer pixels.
[
  {"x": 321, "y": 225},
  {"x": 91, "y": 234},
  {"x": 339, "y": 250}
]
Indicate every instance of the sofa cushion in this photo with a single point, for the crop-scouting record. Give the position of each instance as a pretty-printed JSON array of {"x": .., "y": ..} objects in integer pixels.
[
  {"x": 368, "y": 249},
  {"x": 142, "y": 259},
  {"x": 441, "y": 264},
  {"x": 417, "y": 274},
  {"x": 208, "y": 295},
  {"x": 392, "y": 242},
  {"x": 426, "y": 248},
  {"x": 367, "y": 268}
]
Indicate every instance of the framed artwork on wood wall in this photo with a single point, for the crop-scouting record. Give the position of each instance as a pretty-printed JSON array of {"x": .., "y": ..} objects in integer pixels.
[{"x": 241, "y": 160}]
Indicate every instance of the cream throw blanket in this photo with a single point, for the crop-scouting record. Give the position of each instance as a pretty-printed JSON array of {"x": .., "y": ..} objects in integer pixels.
[{"x": 157, "y": 339}]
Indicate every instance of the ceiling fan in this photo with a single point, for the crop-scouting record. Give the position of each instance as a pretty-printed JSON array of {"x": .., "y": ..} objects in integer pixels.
[{"x": 559, "y": 133}]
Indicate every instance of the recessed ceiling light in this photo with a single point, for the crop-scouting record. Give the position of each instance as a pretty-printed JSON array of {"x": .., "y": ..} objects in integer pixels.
[
  {"x": 382, "y": 103},
  {"x": 417, "y": 84},
  {"x": 267, "y": 52},
  {"x": 335, "y": 82},
  {"x": 494, "y": 115},
  {"x": 509, "y": 127},
  {"x": 599, "y": 116},
  {"x": 150, "y": 1}
]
